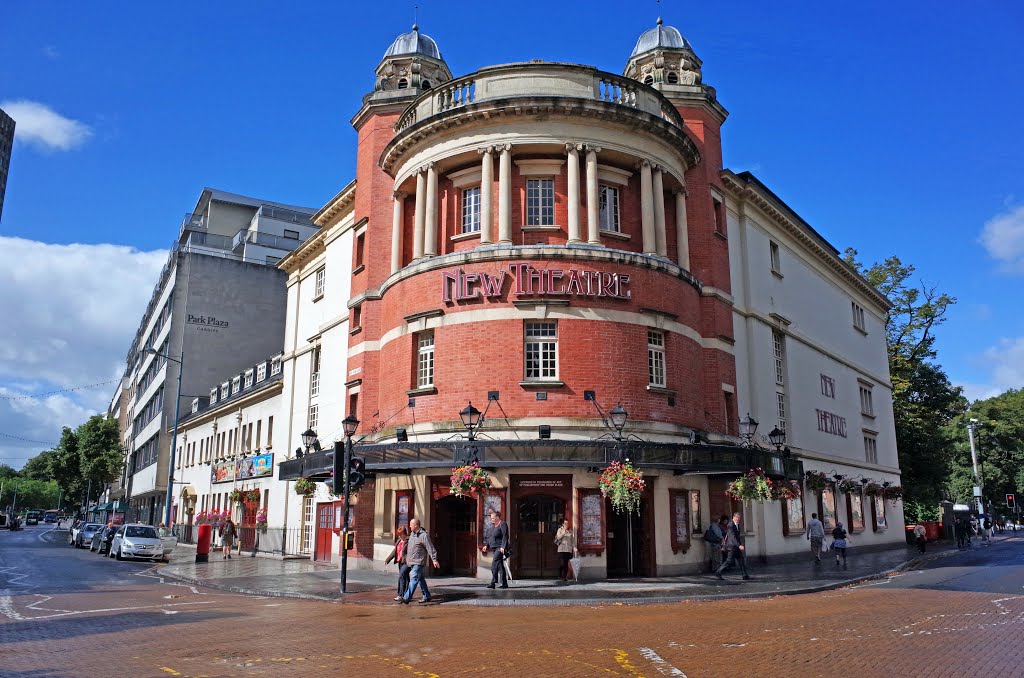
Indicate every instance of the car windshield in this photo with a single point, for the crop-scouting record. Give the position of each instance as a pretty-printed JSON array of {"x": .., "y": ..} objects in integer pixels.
[
  {"x": 92, "y": 527},
  {"x": 146, "y": 532}
]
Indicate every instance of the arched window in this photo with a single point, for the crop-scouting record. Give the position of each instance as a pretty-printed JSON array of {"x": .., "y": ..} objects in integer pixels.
[
  {"x": 403, "y": 84},
  {"x": 426, "y": 84},
  {"x": 649, "y": 80},
  {"x": 673, "y": 78}
]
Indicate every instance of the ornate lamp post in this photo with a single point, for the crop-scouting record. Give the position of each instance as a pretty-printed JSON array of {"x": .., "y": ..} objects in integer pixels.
[{"x": 350, "y": 424}]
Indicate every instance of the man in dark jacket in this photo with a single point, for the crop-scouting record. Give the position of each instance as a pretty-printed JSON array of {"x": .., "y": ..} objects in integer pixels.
[
  {"x": 497, "y": 542},
  {"x": 734, "y": 548},
  {"x": 418, "y": 549}
]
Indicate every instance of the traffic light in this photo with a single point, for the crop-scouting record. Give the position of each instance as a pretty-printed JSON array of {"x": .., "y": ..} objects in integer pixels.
[
  {"x": 339, "y": 467},
  {"x": 1009, "y": 501},
  {"x": 356, "y": 473}
]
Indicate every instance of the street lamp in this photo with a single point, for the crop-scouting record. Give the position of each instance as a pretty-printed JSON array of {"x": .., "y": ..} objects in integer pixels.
[
  {"x": 470, "y": 419},
  {"x": 349, "y": 424},
  {"x": 174, "y": 437},
  {"x": 618, "y": 415},
  {"x": 308, "y": 438},
  {"x": 971, "y": 425},
  {"x": 777, "y": 438},
  {"x": 748, "y": 427}
]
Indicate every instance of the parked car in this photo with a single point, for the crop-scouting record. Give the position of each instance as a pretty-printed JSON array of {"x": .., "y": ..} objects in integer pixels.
[
  {"x": 103, "y": 538},
  {"x": 141, "y": 541},
  {"x": 31, "y": 518},
  {"x": 86, "y": 533}
]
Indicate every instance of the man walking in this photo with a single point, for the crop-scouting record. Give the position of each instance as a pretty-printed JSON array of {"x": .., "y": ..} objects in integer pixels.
[
  {"x": 713, "y": 537},
  {"x": 734, "y": 548},
  {"x": 497, "y": 542},
  {"x": 816, "y": 535},
  {"x": 419, "y": 548}
]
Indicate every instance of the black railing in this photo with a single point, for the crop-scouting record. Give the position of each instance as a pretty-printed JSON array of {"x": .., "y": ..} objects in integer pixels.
[{"x": 571, "y": 453}]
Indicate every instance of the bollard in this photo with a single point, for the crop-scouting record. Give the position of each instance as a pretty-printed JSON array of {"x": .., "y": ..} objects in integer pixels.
[{"x": 203, "y": 543}]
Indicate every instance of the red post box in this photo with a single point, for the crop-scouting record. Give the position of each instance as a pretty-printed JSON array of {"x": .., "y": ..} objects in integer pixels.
[{"x": 203, "y": 543}]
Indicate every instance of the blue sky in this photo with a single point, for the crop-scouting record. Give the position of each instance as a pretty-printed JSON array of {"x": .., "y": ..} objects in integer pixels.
[{"x": 890, "y": 127}]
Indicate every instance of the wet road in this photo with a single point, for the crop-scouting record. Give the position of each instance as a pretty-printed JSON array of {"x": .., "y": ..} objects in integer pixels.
[{"x": 65, "y": 612}]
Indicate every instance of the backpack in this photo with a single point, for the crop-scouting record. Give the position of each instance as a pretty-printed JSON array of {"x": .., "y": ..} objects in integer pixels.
[
  {"x": 710, "y": 536},
  {"x": 988, "y": 524}
]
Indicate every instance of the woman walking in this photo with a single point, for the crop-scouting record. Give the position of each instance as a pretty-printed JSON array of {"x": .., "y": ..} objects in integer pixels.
[
  {"x": 398, "y": 555},
  {"x": 839, "y": 543},
  {"x": 228, "y": 532},
  {"x": 565, "y": 540}
]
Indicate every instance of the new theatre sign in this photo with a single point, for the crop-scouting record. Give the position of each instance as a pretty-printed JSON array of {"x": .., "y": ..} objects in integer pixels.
[{"x": 524, "y": 280}]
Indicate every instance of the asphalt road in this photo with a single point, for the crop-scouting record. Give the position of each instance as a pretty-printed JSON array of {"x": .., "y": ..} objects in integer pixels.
[{"x": 66, "y": 612}]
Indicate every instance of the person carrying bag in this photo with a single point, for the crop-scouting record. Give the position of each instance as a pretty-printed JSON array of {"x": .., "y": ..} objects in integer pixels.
[{"x": 565, "y": 541}]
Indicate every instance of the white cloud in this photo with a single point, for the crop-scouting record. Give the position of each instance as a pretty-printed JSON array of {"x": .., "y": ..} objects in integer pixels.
[
  {"x": 1005, "y": 363},
  {"x": 70, "y": 313},
  {"x": 1003, "y": 238},
  {"x": 51, "y": 52},
  {"x": 40, "y": 125}
]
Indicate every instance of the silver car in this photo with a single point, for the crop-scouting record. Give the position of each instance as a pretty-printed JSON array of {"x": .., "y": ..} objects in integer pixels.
[
  {"x": 86, "y": 533},
  {"x": 141, "y": 541}
]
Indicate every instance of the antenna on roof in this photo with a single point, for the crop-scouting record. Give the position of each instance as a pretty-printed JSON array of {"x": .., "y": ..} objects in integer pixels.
[{"x": 416, "y": 17}]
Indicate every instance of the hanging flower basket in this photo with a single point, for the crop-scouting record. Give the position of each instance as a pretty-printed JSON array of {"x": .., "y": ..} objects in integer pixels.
[
  {"x": 623, "y": 485},
  {"x": 848, "y": 486},
  {"x": 873, "y": 489},
  {"x": 305, "y": 487},
  {"x": 243, "y": 496},
  {"x": 261, "y": 519},
  {"x": 893, "y": 494},
  {"x": 468, "y": 480},
  {"x": 201, "y": 518},
  {"x": 787, "y": 489},
  {"x": 816, "y": 481},
  {"x": 754, "y": 486}
]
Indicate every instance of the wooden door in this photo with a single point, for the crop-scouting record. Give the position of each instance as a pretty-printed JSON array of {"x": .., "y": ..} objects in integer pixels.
[
  {"x": 454, "y": 535},
  {"x": 247, "y": 533},
  {"x": 324, "y": 532},
  {"x": 533, "y": 550}
]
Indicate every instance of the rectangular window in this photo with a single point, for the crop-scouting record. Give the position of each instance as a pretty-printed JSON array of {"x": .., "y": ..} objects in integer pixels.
[
  {"x": 471, "y": 210},
  {"x": 321, "y": 280},
  {"x": 225, "y": 390},
  {"x": 867, "y": 407},
  {"x": 270, "y": 432},
  {"x": 236, "y": 384},
  {"x": 780, "y": 356},
  {"x": 858, "y": 316},
  {"x": 608, "y": 201},
  {"x": 776, "y": 261},
  {"x": 540, "y": 202},
  {"x": 291, "y": 235},
  {"x": 275, "y": 366},
  {"x": 313, "y": 417},
  {"x": 213, "y": 396},
  {"x": 248, "y": 377},
  {"x": 656, "y": 358},
  {"x": 780, "y": 406},
  {"x": 719, "y": 211},
  {"x": 261, "y": 371},
  {"x": 541, "y": 350},
  {"x": 259, "y": 425},
  {"x": 425, "y": 360},
  {"x": 360, "y": 249},
  {"x": 870, "y": 448},
  {"x": 314, "y": 376}
]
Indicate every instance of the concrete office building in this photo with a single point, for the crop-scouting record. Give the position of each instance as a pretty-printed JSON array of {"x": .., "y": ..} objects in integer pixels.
[
  {"x": 220, "y": 302},
  {"x": 6, "y": 144}
]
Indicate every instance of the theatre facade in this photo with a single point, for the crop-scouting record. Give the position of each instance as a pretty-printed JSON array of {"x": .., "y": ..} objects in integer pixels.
[{"x": 543, "y": 262}]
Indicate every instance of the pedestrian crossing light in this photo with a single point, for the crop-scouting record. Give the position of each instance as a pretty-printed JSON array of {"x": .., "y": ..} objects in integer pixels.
[
  {"x": 1009, "y": 501},
  {"x": 356, "y": 473}
]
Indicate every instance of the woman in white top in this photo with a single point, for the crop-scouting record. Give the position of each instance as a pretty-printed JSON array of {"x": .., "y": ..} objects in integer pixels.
[{"x": 565, "y": 540}]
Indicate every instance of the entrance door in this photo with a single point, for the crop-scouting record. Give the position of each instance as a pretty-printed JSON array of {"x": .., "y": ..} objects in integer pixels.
[
  {"x": 630, "y": 537},
  {"x": 247, "y": 531},
  {"x": 454, "y": 535},
  {"x": 324, "y": 532},
  {"x": 534, "y": 552},
  {"x": 721, "y": 504}
]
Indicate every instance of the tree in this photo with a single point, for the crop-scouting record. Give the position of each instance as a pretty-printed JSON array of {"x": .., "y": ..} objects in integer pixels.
[
  {"x": 66, "y": 466},
  {"x": 924, "y": 401},
  {"x": 8, "y": 472},
  {"x": 99, "y": 450},
  {"x": 38, "y": 467}
]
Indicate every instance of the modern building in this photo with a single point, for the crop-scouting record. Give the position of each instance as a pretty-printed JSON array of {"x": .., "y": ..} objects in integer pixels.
[
  {"x": 219, "y": 307},
  {"x": 6, "y": 144}
]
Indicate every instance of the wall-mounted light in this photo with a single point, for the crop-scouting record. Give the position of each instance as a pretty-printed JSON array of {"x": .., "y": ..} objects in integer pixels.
[
  {"x": 401, "y": 435},
  {"x": 544, "y": 431}
]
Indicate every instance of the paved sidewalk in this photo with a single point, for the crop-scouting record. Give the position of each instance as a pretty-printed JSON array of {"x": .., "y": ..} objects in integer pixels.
[{"x": 305, "y": 579}]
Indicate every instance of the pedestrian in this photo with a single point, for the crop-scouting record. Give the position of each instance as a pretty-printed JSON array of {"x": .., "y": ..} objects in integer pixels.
[
  {"x": 734, "y": 548},
  {"x": 565, "y": 541},
  {"x": 921, "y": 536},
  {"x": 713, "y": 537},
  {"x": 839, "y": 543},
  {"x": 398, "y": 555},
  {"x": 496, "y": 540},
  {"x": 960, "y": 525},
  {"x": 162, "y": 531},
  {"x": 816, "y": 535},
  {"x": 987, "y": 527},
  {"x": 228, "y": 532},
  {"x": 418, "y": 551}
]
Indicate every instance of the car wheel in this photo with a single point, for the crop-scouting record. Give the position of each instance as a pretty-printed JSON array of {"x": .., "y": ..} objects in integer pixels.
[{"x": 118, "y": 555}]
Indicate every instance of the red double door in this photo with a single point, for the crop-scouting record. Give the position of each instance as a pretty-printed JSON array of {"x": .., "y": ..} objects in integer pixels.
[{"x": 324, "y": 538}]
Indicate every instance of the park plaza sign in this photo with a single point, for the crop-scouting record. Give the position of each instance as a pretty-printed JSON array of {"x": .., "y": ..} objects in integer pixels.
[{"x": 524, "y": 280}]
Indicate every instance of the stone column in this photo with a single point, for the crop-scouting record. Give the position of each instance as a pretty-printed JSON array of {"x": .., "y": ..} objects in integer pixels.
[
  {"x": 647, "y": 208},
  {"x": 421, "y": 199},
  {"x": 486, "y": 196},
  {"x": 573, "y": 193},
  {"x": 430, "y": 227},
  {"x": 682, "y": 233},
  {"x": 593, "y": 201},
  {"x": 660, "y": 237},
  {"x": 505, "y": 195},
  {"x": 396, "y": 231}
]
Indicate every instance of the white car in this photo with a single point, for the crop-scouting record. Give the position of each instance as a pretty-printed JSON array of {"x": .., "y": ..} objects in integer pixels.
[{"x": 141, "y": 541}]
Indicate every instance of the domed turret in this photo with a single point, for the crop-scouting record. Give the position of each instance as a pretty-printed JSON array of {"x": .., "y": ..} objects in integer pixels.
[
  {"x": 412, "y": 62},
  {"x": 662, "y": 56}
]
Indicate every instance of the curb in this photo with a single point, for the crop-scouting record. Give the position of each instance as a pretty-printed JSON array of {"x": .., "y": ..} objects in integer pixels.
[{"x": 624, "y": 600}]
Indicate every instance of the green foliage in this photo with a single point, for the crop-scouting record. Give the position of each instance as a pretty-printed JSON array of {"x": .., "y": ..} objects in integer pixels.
[
  {"x": 917, "y": 511},
  {"x": 38, "y": 467},
  {"x": 31, "y": 494},
  {"x": 8, "y": 472}
]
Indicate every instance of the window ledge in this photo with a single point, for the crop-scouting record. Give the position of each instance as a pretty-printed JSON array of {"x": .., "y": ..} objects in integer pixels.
[
  {"x": 358, "y": 269},
  {"x": 546, "y": 227},
  {"x": 867, "y": 415},
  {"x": 465, "y": 236},
  {"x": 423, "y": 315},
  {"x": 530, "y": 303},
  {"x": 861, "y": 330},
  {"x": 426, "y": 390},
  {"x": 721, "y": 235},
  {"x": 617, "y": 235},
  {"x": 537, "y": 383},
  {"x": 661, "y": 390},
  {"x": 356, "y": 330},
  {"x": 318, "y": 297},
  {"x": 777, "y": 273}
]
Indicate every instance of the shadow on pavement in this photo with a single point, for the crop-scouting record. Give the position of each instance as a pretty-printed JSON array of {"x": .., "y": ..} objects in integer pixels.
[{"x": 43, "y": 630}]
